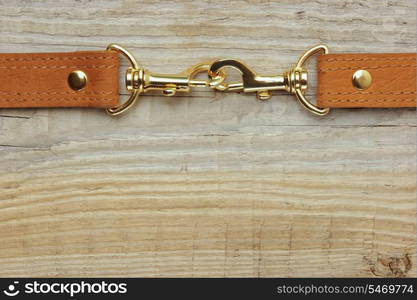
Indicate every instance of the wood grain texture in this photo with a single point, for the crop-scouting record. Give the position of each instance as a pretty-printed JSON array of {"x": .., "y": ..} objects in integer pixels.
[{"x": 208, "y": 184}]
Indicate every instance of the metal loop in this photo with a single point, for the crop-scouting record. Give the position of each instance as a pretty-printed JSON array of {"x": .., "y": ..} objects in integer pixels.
[
  {"x": 117, "y": 110},
  {"x": 203, "y": 68},
  {"x": 300, "y": 93},
  {"x": 217, "y": 81},
  {"x": 217, "y": 69}
]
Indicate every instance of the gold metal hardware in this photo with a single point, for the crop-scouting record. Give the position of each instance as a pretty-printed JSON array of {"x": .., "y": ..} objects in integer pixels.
[
  {"x": 144, "y": 80},
  {"x": 114, "y": 111},
  {"x": 293, "y": 81},
  {"x": 140, "y": 80},
  {"x": 77, "y": 80},
  {"x": 361, "y": 79}
]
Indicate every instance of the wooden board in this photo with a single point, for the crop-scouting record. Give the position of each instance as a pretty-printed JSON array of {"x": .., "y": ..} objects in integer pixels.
[{"x": 208, "y": 184}]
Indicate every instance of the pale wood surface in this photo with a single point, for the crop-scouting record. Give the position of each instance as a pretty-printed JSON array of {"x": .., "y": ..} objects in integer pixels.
[{"x": 208, "y": 184}]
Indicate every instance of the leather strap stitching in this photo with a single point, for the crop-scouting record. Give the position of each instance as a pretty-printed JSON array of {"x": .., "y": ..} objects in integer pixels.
[
  {"x": 58, "y": 99},
  {"x": 411, "y": 100},
  {"x": 55, "y": 93},
  {"x": 56, "y": 58},
  {"x": 369, "y": 59},
  {"x": 367, "y": 93},
  {"x": 58, "y": 67},
  {"x": 366, "y": 67}
]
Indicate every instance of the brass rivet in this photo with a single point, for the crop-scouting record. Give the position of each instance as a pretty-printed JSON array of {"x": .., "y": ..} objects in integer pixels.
[
  {"x": 361, "y": 79},
  {"x": 77, "y": 80}
]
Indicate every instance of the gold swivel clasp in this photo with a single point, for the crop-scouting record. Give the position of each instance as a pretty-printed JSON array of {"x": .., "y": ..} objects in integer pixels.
[
  {"x": 293, "y": 81},
  {"x": 262, "y": 85},
  {"x": 144, "y": 80},
  {"x": 140, "y": 80}
]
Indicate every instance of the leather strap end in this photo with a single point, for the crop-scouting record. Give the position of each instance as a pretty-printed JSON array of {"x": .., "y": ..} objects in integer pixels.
[
  {"x": 393, "y": 80},
  {"x": 41, "y": 79}
]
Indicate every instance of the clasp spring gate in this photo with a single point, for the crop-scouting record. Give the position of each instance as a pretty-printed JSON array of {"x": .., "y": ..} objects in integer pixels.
[{"x": 140, "y": 80}]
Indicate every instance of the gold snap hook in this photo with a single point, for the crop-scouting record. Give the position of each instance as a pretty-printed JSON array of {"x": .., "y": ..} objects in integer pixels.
[
  {"x": 293, "y": 81},
  {"x": 168, "y": 84},
  {"x": 251, "y": 81},
  {"x": 139, "y": 80}
]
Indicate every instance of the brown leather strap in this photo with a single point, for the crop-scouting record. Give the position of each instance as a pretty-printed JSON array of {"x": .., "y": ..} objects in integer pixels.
[
  {"x": 41, "y": 79},
  {"x": 393, "y": 80}
]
